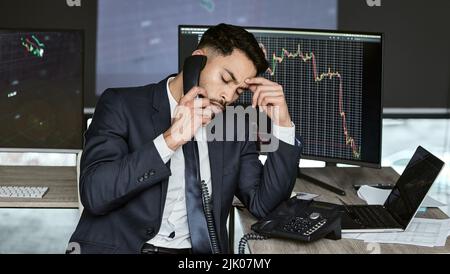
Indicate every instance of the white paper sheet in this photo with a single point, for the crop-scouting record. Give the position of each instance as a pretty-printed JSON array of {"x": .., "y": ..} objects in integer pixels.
[{"x": 422, "y": 232}]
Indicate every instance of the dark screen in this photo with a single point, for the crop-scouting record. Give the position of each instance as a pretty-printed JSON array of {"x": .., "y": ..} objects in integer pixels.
[
  {"x": 413, "y": 185},
  {"x": 41, "y": 89}
]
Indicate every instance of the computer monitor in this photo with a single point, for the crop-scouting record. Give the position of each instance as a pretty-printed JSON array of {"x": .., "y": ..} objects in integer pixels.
[
  {"x": 41, "y": 90},
  {"x": 333, "y": 87}
]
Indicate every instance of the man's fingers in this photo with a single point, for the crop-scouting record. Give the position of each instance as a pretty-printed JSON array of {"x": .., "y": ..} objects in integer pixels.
[
  {"x": 267, "y": 93},
  {"x": 259, "y": 89},
  {"x": 192, "y": 94},
  {"x": 215, "y": 109},
  {"x": 268, "y": 100},
  {"x": 204, "y": 112},
  {"x": 255, "y": 88},
  {"x": 205, "y": 118},
  {"x": 260, "y": 81},
  {"x": 264, "y": 91},
  {"x": 255, "y": 97},
  {"x": 199, "y": 103}
]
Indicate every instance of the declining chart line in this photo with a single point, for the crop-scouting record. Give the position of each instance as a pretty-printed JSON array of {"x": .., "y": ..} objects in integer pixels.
[
  {"x": 33, "y": 45},
  {"x": 350, "y": 141}
]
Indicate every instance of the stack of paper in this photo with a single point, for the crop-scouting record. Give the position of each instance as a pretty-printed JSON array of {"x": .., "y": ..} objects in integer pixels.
[{"x": 422, "y": 232}]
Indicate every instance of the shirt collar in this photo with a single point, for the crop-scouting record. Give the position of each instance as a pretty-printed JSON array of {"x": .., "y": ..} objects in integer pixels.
[{"x": 172, "y": 102}]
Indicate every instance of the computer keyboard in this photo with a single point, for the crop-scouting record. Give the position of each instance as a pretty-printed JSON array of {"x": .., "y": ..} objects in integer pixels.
[
  {"x": 22, "y": 192},
  {"x": 372, "y": 216}
]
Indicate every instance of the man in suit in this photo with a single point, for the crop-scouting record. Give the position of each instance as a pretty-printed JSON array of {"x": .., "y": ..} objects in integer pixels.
[{"x": 135, "y": 182}]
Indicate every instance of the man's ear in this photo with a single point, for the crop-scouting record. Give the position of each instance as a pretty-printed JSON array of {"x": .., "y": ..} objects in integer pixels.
[{"x": 199, "y": 52}]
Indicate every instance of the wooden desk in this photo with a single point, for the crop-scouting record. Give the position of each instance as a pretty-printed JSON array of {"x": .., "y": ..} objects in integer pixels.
[
  {"x": 61, "y": 181},
  {"x": 344, "y": 178}
]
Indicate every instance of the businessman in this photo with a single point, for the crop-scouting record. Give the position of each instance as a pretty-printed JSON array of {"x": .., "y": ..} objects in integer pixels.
[{"x": 138, "y": 184}]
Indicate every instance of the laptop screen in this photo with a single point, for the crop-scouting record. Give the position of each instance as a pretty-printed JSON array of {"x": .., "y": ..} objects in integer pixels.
[{"x": 413, "y": 185}]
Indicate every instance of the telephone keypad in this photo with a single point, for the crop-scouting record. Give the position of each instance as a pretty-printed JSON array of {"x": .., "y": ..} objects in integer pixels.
[{"x": 304, "y": 226}]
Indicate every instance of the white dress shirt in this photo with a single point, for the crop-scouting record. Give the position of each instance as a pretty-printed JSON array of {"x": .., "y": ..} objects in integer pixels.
[{"x": 174, "y": 230}]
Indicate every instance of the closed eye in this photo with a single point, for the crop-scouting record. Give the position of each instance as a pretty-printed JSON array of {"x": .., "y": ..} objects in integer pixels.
[{"x": 226, "y": 81}]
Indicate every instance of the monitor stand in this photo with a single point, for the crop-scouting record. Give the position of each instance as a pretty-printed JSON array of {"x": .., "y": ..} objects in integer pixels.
[{"x": 320, "y": 183}]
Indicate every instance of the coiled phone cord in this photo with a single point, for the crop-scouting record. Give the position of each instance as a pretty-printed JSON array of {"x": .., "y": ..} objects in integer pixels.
[
  {"x": 207, "y": 207},
  {"x": 250, "y": 236}
]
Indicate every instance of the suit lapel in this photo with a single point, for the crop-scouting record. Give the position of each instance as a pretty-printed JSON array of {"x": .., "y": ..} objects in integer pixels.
[
  {"x": 161, "y": 122},
  {"x": 161, "y": 117}
]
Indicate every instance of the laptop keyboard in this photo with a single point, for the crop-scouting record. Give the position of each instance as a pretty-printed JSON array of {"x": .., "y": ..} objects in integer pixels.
[
  {"x": 363, "y": 217},
  {"x": 372, "y": 216},
  {"x": 381, "y": 217}
]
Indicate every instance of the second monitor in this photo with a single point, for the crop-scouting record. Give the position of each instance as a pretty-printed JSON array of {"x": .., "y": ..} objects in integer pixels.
[
  {"x": 41, "y": 90},
  {"x": 333, "y": 86}
]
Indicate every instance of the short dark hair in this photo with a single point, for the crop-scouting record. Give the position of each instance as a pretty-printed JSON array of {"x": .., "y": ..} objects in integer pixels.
[{"x": 225, "y": 38}]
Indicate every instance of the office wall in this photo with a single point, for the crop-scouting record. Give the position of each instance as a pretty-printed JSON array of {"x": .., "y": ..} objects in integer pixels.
[
  {"x": 417, "y": 48},
  {"x": 417, "y": 44},
  {"x": 56, "y": 14},
  {"x": 138, "y": 39}
]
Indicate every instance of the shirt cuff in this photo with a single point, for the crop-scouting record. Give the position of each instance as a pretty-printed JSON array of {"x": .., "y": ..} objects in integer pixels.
[
  {"x": 285, "y": 134},
  {"x": 164, "y": 151}
]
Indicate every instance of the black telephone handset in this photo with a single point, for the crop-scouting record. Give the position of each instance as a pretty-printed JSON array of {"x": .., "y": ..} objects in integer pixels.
[
  {"x": 301, "y": 220},
  {"x": 192, "y": 68}
]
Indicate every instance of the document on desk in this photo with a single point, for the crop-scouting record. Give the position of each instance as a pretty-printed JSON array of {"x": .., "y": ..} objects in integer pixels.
[
  {"x": 422, "y": 232},
  {"x": 376, "y": 196}
]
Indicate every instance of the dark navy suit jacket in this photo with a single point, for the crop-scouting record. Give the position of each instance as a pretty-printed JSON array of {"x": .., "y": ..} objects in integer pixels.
[{"x": 123, "y": 181}]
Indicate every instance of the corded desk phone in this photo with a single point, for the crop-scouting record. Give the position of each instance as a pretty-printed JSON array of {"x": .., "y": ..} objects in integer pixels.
[{"x": 296, "y": 219}]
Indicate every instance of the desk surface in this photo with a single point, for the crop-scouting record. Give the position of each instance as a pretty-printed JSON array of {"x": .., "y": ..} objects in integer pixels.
[
  {"x": 61, "y": 181},
  {"x": 344, "y": 178}
]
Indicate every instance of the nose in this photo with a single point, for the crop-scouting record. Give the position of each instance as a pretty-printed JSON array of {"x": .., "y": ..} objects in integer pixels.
[
  {"x": 227, "y": 95},
  {"x": 223, "y": 99}
]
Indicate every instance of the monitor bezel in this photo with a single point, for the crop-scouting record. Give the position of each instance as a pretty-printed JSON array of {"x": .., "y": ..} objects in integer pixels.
[
  {"x": 82, "y": 33},
  {"x": 340, "y": 31}
]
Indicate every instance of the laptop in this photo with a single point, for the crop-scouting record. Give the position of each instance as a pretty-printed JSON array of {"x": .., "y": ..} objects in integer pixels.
[{"x": 402, "y": 203}]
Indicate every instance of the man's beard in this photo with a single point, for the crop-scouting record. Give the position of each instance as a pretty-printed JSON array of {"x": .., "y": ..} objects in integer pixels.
[{"x": 219, "y": 103}]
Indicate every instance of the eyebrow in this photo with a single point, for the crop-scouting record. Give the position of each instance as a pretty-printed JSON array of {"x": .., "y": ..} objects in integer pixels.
[{"x": 232, "y": 75}]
